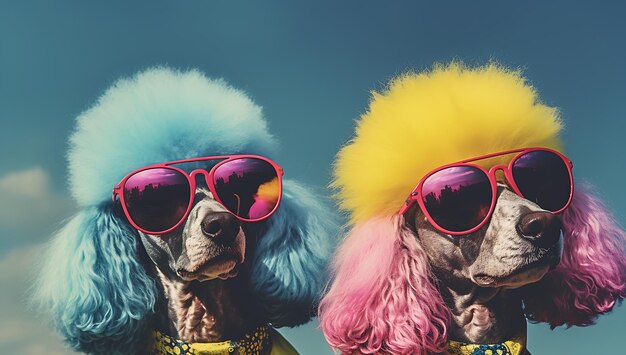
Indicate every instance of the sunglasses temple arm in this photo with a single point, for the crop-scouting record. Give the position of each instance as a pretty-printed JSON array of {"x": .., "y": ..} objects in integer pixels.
[
  {"x": 408, "y": 203},
  {"x": 115, "y": 193}
]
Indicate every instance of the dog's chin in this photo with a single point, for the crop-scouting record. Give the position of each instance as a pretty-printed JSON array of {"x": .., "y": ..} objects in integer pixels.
[
  {"x": 223, "y": 266},
  {"x": 522, "y": 275},
  {"x": 517, "y": 279}
]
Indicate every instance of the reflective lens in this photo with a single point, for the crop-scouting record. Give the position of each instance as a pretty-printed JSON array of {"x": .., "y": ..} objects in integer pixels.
[
  {"x": 248, "y": 187},
  {"x": 457, "y": 198},
  {"x": 543, "y": 177},
  {"x": 157, "y": 199}
]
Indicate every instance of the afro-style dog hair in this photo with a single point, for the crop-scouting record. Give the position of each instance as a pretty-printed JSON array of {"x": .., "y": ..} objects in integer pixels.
[
  {"x": 384, "y": 298},
  {"x": 425, "y": 120},
  {"x": 93, "y": 281}
]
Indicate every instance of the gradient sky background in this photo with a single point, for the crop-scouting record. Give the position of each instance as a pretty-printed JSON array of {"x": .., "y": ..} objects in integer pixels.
[{"x": 311, "y": 65}]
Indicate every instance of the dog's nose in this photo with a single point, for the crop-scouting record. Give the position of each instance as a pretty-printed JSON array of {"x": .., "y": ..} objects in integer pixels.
[
  {"x": 541, "y": 228},
  {"x": 222, "y": 227}
]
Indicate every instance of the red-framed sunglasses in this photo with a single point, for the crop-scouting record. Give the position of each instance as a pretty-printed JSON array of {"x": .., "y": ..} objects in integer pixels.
[
  {"x": 459, "y": 198},
  {"x": 156, "y": 199}
]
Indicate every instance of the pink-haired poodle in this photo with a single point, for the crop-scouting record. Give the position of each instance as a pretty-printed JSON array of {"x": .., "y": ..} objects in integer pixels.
[{"x": 492, "y": 233}]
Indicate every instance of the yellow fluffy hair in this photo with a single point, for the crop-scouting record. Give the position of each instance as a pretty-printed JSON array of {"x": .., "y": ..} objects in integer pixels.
[{"x": 428, "y": 119}]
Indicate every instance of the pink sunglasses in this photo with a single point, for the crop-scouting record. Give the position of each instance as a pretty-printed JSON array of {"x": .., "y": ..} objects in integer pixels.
[
  {"x": 157, "y": 199},
  {"x": 459, "y": 198}
]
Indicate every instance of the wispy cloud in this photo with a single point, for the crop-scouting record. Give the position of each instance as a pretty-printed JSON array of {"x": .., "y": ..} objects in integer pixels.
[
  {"x": 29, "y": 209},
  {"x": 30, "y": 183}
]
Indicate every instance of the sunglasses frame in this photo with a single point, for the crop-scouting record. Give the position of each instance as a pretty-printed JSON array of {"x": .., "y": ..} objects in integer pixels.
[
  {"x": 118, "y": 190},
  {"x": 491, "y": 175}
]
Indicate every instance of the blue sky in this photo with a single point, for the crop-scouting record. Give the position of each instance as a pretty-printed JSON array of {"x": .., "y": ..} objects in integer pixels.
[{"x": 311, "y": 65}]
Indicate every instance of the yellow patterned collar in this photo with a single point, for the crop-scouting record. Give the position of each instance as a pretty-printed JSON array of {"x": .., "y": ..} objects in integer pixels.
[
  {"x": 257, "y": 342},
  {"x": 514, "y": 346}
]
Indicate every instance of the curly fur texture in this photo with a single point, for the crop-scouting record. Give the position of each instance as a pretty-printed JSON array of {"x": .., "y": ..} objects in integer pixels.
[
  {"x": 425, "y": 120},
  {"x": 94, "y": 286},
  {"x": 383, "y": 299},
  {"x": 592, "y": 274},
  {"x": 93, "y": 283}
]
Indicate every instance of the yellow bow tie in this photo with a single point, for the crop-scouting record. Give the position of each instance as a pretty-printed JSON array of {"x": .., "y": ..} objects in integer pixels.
[
  {"x": 257, "y": 342},
  {"x": 514, "y": 346}
]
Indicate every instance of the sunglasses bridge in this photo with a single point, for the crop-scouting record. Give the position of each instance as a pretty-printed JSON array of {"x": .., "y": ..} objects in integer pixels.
[{"x": 192, "y": 175}]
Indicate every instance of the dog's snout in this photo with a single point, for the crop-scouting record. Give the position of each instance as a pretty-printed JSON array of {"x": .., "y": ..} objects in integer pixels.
[
  {"x": 222, "y": 227},
  {"x": 541, "y": 228}
]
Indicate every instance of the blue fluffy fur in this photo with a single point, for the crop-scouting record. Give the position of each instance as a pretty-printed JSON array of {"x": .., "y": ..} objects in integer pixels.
[
  {"x": 94, "y": 286},
  {"x": 92, "y": 281},
  {"x": 289, "y": 265},
  {"x": 156, "y": 116}
]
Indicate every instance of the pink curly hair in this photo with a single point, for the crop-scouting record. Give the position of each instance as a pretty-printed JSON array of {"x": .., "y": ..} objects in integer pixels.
[
  {"x": 592, "y": 274},
  {"x": 384, "y": 298}
]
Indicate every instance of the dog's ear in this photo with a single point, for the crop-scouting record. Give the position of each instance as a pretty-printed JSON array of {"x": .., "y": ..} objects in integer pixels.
[
  {"x": 289, "y": 263},
  {"x": 592, "y": 274},
  {"x": 383, "y": 299},
  {"x": 94, "y": 285}
]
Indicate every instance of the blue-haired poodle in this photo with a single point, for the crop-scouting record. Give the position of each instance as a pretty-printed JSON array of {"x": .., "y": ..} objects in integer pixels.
[{"x": 205, "y": 266}]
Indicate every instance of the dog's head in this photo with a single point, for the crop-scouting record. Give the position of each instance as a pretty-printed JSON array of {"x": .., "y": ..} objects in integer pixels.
[
  {"x": 93, "y": 280},
  {"x": 385, "y": 296}
]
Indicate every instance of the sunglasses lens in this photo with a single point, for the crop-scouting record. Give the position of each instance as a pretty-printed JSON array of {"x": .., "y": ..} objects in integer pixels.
[
  {"x": 457, "y": 198},
  {"x": 543, "y": 177},
  {"x": 157, "y": 199},
  {"x": 248, "y": 187}
]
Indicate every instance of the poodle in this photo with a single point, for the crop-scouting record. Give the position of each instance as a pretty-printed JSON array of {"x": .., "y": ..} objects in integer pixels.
[
  {"x": 491, "y": 234},
  {"x": 132, "y": 275}
]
